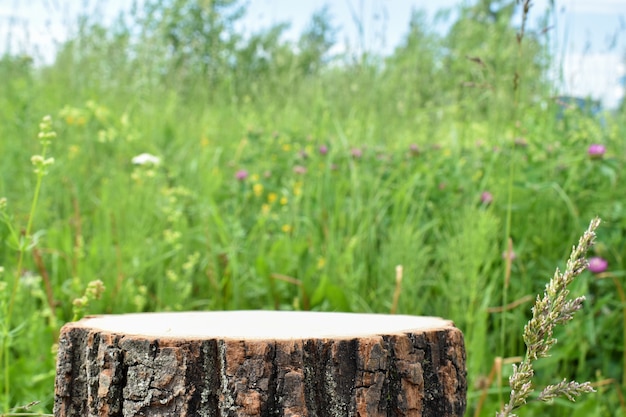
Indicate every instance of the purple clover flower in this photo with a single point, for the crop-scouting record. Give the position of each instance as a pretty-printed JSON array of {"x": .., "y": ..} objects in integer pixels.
[
  {"x": 414, "y": 149},
  {"x": 323, "y": 149},
  {"x": 299, "y": 169},
  {"x": 596, "y": 151},
  {"x": 486, "y": 197},
  {"x": 241, "y": 175},
  {"x": 356, "y": 153},
  {"x": 598, "y": 265}
]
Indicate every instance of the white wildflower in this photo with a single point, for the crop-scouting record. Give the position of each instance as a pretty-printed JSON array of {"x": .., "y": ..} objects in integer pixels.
[{"x": 146, "y": 159}]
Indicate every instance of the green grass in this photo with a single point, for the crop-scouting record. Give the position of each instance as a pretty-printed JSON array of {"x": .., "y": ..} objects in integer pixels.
[{"x": 306, "y": 229}]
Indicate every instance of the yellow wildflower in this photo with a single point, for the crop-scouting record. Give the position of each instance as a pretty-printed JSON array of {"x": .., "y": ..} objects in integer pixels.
[
  {"x": 73, "y": 151},
  {"x": 297, "y": 188},
  {"x": 321, "y": 262}
]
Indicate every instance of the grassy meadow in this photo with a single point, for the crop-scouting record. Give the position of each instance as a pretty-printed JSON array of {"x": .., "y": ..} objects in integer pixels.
[{"x": 197, "y": 169}]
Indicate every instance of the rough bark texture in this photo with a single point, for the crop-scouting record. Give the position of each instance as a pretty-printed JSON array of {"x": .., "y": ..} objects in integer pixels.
[{"x": 412, "y": 373}]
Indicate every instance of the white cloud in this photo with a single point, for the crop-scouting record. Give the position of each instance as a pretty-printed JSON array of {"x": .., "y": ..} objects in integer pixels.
[
  {"x": 595, "y": 75},
  {"x": 596, "y": 7}
]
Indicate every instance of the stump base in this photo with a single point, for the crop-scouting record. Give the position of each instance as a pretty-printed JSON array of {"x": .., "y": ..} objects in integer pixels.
[{"x": 260, "y": 363}]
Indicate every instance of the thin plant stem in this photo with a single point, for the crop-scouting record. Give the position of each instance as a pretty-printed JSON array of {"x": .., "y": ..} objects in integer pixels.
[
  {"x": 512, "y": 165},
  {"x": 23, "y": 245}
]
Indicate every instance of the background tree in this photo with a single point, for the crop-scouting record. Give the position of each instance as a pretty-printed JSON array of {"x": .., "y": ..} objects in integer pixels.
[{"x": 199, "y": 36}]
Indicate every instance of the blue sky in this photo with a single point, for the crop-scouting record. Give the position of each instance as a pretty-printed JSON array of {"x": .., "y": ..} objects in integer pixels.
[{"x": 589, "y": 35}]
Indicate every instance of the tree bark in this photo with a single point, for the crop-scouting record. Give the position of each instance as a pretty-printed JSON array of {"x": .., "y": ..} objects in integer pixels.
[{"x": 260, "y": 363}]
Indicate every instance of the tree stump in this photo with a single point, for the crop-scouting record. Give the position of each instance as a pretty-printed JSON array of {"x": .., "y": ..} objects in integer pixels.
[{"x": 260, "y": 363}]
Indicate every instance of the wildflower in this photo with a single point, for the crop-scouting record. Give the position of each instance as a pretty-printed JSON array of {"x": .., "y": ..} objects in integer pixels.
[
  {"x": 46, "y": 134},
  {"x": 283, "y": 201},
  {"x": 486, "y": 198},
  {"x": 73, "y": 151},
  {"x": 356, "y": 153},
  {"x": 171, "y": 236},
  {"x": 95, "y": 289},
  {"x": 297, "y": 188},
  {"x": 241, "y": 175},
  {"x": 171, "y": 275},
  {"x": 596, "y": 151},
  {"x": 192, "y": 261},
  {"x": 323, "y": 149},
  {"x": 257, "y": 189},
  {"x": 41, "y": 163},
  {"x": 271, "y": 197},
  {"x": 598, "y": 265},
  {"x": 286, "y": 228},
  {"x": 321, "y": 262},
  {"x": 265, "y": 209},
  {"x": 414, "y": 149},
  {"x": 299, "y": 169},
  {"x": 146, "y": 159},
  {"x": 107, "y": 136}
]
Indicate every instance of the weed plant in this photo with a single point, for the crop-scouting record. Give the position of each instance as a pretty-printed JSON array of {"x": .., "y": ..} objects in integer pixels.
[{"x": 281, "y": 176}]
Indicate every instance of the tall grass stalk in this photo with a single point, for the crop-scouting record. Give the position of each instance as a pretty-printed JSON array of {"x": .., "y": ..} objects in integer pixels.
[
  {"x": 23, "y": 242},
  {"x": 550, "y": 310},
  {"x": 472, "y": 240},
  {"x": 526, "y": 4}
]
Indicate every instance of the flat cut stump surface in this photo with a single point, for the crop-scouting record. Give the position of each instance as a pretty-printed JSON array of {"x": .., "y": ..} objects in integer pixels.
[{"x": 260, "y": 363}]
